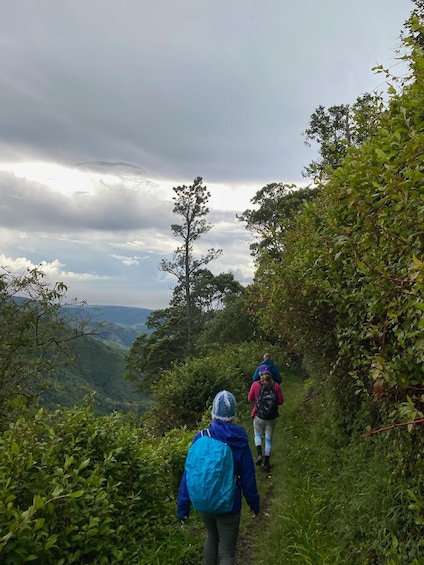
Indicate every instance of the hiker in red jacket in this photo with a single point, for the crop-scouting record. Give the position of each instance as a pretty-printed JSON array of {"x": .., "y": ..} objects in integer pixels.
[{"x": 266, "y": 396}]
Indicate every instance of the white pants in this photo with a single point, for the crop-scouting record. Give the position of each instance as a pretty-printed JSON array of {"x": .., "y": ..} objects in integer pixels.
[{"x": 261, "y": 428}]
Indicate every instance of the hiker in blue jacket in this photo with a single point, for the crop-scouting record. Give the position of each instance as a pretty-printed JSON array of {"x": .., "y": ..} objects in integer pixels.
[
  {"x": 222, "y": 529},
  {"x": 276, "y": 377}
]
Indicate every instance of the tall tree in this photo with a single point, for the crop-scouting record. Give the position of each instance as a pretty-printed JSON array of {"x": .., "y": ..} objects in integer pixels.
[
  {"x": 197, "y": 295},
  {"x": 191, "y": 204},
  {"x": 339, "y": 127},
  {"x": 276, "y": 204}
]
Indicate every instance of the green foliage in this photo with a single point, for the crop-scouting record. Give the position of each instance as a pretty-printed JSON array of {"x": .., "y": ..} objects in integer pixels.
[
  {"x": 80, "y": 489},
  {"x": 414, "y": 26},
  {"x": 233, "y": 324},
  {"x": 210, "y": 291},
  {"x": 368, "y": 263},
  {"x": 34, "y": 337},
  {"x": 279, "y": 207},
  {"x": 346, "y": 293},
  {"x": 338, "y": 128},
  {"x": 347, "y": 289},
  {"x": 150, "y": 354},
  {"x": 335, "y": 498},
  {"x": 185, "y": 392},
  {"x": 277, "y": 204}
]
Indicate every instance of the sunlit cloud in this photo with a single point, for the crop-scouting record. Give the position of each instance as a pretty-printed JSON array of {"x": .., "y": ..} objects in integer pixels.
[
  {"x": 52, "y": 270},
  {"x": 128, "y": 261}
]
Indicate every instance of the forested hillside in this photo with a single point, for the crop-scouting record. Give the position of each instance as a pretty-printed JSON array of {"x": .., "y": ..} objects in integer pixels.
[{"x": 97, "y": 370}]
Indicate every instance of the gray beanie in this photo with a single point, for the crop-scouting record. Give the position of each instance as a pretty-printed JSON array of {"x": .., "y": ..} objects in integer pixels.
[{"x": 224, "y": 406}]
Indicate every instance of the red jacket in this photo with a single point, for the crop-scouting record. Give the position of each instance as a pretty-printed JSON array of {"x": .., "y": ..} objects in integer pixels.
[{"x": 254, "y": 393}]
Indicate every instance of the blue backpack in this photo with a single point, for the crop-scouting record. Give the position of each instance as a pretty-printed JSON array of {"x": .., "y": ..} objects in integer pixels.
[{"x": 210, "y": 475}]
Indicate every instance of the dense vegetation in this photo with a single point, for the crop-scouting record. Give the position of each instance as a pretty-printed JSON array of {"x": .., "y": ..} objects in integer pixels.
[
  {"x": 332, "y": 499},
  {"x": 337, "y": 299}
]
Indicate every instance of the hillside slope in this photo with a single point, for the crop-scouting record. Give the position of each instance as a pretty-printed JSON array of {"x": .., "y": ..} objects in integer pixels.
[{"x": 98, "y": 368}]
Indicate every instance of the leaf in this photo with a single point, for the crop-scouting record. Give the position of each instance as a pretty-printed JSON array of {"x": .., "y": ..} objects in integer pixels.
[
  {"x": 50, "y": 542},
  {"x": 57, "y": 491},
  {"x": 39, "y": 524},
  {"x": 68, "y": 461},
  {"x": 76, "y": 494},
  {"x": 84, "y": 464},
  {"x": 38, "y": 501},
  {"x": 417, "y": 262}
]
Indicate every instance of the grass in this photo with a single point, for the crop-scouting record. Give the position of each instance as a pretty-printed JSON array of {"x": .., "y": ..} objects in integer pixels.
[
  {"x": 292, "y": 532},
  {"x": 329, "y": 500}
]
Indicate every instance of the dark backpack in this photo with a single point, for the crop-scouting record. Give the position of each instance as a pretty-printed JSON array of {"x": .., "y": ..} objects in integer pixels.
[{"x": 267, "y": 405}]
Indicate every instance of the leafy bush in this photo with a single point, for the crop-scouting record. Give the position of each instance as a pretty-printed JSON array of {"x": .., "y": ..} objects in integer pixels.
[
  {"x": 185, "y": 392},
  {"x": 346, "y": 289},
  {"x": 80, "y": 489}
]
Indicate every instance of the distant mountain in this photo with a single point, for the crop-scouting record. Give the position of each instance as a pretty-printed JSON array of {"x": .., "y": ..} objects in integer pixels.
[
  {"x": 120, "y": 325},
  {"x": 100, "y": 361},
  {"x": 126, "y": 315}
]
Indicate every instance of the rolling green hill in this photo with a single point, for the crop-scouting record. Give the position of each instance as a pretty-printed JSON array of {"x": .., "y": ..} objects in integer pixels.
[{"x": 99, "y": 365}]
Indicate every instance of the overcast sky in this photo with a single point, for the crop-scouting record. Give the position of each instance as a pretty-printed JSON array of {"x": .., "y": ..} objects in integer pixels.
[{"x": 106, "y": 105}]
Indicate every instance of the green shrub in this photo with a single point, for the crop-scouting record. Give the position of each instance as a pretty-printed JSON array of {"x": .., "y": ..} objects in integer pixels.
[
  {"x": 79, "y": 489},
  {"x": 186, "y": 391}
]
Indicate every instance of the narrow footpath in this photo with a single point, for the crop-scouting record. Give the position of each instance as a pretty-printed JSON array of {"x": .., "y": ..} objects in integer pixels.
[{"x": 252, "y": 528}]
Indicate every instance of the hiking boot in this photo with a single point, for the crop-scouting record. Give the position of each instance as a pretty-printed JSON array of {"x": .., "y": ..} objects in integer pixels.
[{"x": 259, "y": 460}]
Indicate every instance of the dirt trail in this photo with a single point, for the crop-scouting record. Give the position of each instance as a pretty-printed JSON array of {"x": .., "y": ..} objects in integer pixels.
[
  {"x": 248, "y": 534},
  {"x": 252, "y": 529}
]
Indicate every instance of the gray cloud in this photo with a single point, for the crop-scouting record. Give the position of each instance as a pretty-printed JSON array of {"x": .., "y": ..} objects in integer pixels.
[
  {"x": 221, "y": 89},
  {"x": 118, "y": 207},
  {"x": 109, "y": 237},
  {"x": 134, "y": 97}
]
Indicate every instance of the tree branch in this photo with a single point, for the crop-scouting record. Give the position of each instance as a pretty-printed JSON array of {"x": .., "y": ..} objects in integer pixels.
[{"x": 398, "y": 425}]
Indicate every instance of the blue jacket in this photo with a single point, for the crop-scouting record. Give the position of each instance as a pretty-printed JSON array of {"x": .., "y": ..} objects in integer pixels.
[
  {"x": 276, "y": 377},
  {"x": 236, "y": 437}
]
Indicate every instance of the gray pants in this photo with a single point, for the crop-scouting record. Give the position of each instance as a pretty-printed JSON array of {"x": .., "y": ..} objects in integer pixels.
[{"x": 221, "y": 538}]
